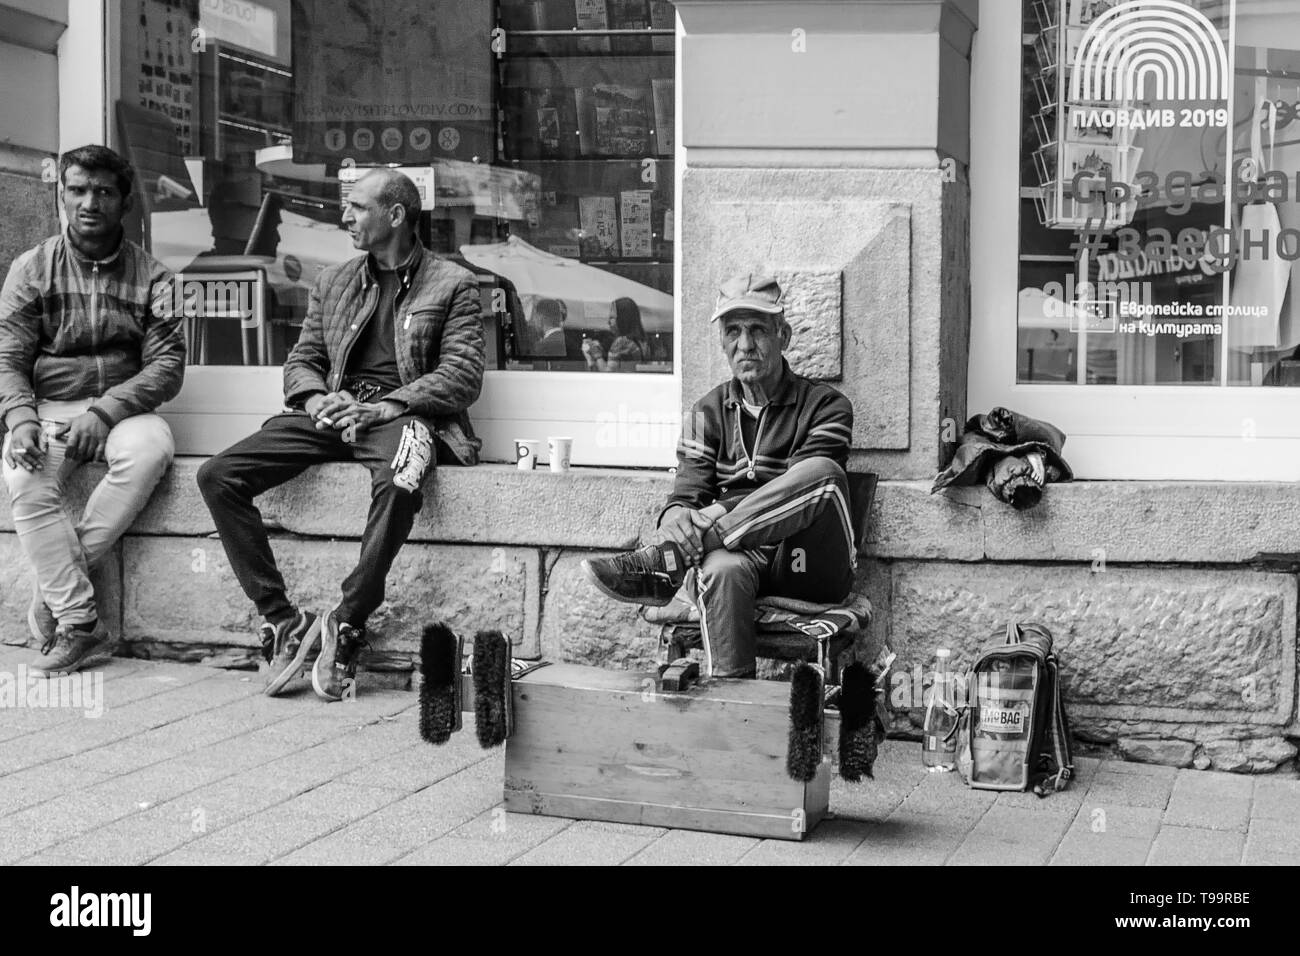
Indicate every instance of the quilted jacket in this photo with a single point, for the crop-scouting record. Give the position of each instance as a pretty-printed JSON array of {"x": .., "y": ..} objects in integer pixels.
[
  {"x": 74, "y": 328},
  {"x": 439, "y": 341}
]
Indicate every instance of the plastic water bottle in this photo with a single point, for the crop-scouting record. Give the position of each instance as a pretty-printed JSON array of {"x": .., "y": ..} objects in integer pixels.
[{"x": 939, "y": 743}]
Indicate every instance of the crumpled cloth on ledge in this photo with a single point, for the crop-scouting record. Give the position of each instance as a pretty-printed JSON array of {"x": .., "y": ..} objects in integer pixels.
[
  {"x": 778, "y": 614},
  {"x": 1014, "y": 455}
]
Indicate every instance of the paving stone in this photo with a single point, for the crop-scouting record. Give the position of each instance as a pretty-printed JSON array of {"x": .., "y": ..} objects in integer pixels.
[
  {"x": 419, "y": 766},
  {"x": 1276, "y": 799},
  {"x": 342, "y": 800},
  {"x": 946, "y": 794},
  {"x": 692, "y": 848},
  {"x": 433, "y": 812},
  {"x": 1212, "y": 801},
  {"x": 459, "y": 851},
  {"x": 264, "y": 836},
  {"x": 340, "y": 850},
  {"x": 1085, "y": 848},
  {"x": 1272, "y": 842},
  {"x": 910, "y": 839},
  {"x": 132, "y": 840},
  {"x": 523, "y": 831},
  {"x": 1131, "y": 789},
  {"x": 1011, "y": 836},
  {"x": 37, "y": 785},
  {"x": 1118, "y": 820},
  {"x": 830, "y": 843},
  {"x": 589, "y": 844},
  {"x": 186, "y": 856},
  {"x": 1196, "y": 846},
  {"x": 868, "y": 799}
]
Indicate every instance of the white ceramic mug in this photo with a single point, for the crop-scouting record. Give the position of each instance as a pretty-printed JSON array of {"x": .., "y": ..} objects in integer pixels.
[
  {"x": 560, "y": 449},
  {"x": 526, "y": 450}
]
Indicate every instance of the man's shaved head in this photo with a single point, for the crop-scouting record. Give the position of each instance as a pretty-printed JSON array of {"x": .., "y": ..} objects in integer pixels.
[{"x": 395, "y": 188}]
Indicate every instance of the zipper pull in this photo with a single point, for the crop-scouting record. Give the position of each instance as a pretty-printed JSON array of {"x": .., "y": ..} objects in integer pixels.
[{"x": 407, "y": 324}]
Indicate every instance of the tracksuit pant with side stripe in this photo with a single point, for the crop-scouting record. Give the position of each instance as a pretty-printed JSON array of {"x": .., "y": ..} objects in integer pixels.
[{"x": 792, "y": 537}]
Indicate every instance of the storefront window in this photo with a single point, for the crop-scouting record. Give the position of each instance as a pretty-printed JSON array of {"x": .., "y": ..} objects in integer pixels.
[
  {"x": 1159, "y": 221},
  {"x": 540, "y": 132}
]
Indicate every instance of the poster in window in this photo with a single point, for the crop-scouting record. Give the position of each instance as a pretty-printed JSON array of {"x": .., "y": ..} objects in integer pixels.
[{"x": 360, "y": 69}]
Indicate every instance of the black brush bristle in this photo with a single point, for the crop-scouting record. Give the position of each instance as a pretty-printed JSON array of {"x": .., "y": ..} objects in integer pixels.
[
  {"x": 440, "y": 668},
  {"x": 491, "y": 684},
  {"x": 804, "y": 753},
  {"x": 858, "y": 743}
]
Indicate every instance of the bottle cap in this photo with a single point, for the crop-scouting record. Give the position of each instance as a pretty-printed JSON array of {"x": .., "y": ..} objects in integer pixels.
[{"x": 943, "y": 652}]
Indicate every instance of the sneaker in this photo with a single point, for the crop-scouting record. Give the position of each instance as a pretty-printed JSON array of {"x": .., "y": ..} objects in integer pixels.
[
  {"x": 41, "y": 622},
  {"x": 649, "y": 575},
  {"x": 266, "y": 634},
  {"x": 74, "y": 649},
  {"x": 335, "y": 669},
  {"x": 294, "y": 639}
]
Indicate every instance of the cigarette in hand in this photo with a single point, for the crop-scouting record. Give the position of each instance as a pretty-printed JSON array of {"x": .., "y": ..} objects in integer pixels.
[{"x": 322, "y": 418}]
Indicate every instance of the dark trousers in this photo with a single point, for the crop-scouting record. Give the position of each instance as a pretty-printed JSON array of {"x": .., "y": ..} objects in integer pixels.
[
  {"x": 792, "y": 537},
  {"x": 284, "y": 447}
]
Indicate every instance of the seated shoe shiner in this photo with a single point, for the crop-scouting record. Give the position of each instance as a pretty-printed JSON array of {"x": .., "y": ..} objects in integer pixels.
[
  {"x": 390, "y": 357},
  {"x": 88, "y": 351},
  {"x": 760, "y": 501}
]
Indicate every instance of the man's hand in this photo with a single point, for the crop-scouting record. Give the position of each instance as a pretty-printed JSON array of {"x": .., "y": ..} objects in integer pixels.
[
  {"x": 326, "y": 408},
  {"x": 24, "y": 448},
  {"x": 367, "y": 414},
  {"x": 685, "y": 527},
  {"x": 85, "y": 437}
]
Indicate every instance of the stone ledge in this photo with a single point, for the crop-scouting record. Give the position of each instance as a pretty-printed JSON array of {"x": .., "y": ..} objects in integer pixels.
[{"x": 1092, "y": 522}]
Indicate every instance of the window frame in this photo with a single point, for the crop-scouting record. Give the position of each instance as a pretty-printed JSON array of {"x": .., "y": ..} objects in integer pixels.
[
  {"x": 616, "y": 419},
  {"x": 1150, "y": 432}
]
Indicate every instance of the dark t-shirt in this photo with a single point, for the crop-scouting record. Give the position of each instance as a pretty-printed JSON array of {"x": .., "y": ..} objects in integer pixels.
[{"x": 374, "y": 356}]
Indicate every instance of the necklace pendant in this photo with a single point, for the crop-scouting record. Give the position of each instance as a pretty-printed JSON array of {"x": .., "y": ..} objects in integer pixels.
[{"x": 750, "y": 474}]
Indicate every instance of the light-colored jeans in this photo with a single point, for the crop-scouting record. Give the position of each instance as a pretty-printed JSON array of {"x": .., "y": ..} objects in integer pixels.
[{"x": 138, "y": 451}]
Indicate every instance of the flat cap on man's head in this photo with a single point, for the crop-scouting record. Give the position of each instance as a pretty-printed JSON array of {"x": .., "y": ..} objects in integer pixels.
[{"x": 752, "y": 291}]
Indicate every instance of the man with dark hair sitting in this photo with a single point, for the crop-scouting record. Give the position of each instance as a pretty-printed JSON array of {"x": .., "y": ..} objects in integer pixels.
[
  {"x": 760, "y": 503},
  {"x": 389, "y": 359},
  {"x": 89, "y": 346}
]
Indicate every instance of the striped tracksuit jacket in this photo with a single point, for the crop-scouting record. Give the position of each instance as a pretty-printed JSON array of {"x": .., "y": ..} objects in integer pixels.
[{"x": 788, "y": 528}]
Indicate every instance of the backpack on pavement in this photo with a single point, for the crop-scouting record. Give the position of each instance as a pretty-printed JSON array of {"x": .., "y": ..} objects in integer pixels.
[{"x": 1013, "y": 733}]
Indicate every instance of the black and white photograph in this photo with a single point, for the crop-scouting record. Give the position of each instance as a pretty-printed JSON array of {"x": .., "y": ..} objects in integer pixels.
[{"x": 498, "y": 433}]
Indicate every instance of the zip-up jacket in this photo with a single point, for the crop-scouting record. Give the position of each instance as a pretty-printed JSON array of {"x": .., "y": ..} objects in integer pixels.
[
  {"x": 75, "y": 328},
  {"x": 716, "y": 463},
  {"x": 438, "y": 336}
]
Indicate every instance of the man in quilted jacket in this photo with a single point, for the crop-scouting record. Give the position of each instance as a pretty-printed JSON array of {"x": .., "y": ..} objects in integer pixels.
[
  {"x": 88, "y": 350},
  {"x": 389, "y": 359}
]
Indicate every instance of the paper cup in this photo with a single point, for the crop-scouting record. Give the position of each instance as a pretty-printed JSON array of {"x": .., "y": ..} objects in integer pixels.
[
  {"x": 526, "y": 450},
  {"x": 560, "y": 449}
]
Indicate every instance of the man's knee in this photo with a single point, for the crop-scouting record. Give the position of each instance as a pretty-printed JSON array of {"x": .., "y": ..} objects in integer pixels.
[
  {"x": 819, "y": 467},
  {"x": 213, "y": 476},
  {"x": 30, "y": 487},
  {"x": 141, "y": 443},
  {"x": 730, "y": 570}
]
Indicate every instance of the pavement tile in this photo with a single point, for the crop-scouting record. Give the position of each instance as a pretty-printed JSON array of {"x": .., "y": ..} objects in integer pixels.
[
  {"x": 342, "y": 800},
  {"x": 1085, "y": 848},
  {"x": 947, "y": 794},
  {"x": 1276, "y": 799},
  {"x": 830, "y": 843},
  {"x": 36, "y": 785},
  {"x": 186, "y": 856},
  {"x": 418, "y": 766},
  {"x": 1118, "y": 820},
  {"x": 1139, "y": 769},
  {"x": 520, "y": 830},
  {"x": 1130, "y": 789},
  {"x": 1272, "y": 842},
  {"x": 459, "y": 851},
  {"x": 588, "y": 844},
  {"x": 340, "y": 850},
  {"x": 1214, "y": 801},
  {"x": 1196, "y": 846},
  {"x": 1011, "y": 836},
  {"x": 910, "y": 839},
  {"x": 868, "y": 799},
  {"x": 436, "y": 810},
  {"x": 693, "y": 848},
  {"x": 264, "y": 836},
  {"x": 132, "y": 840}
]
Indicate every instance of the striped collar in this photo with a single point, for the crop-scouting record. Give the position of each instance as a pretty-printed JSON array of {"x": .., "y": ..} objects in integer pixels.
[{"x": 85, "y": 260}]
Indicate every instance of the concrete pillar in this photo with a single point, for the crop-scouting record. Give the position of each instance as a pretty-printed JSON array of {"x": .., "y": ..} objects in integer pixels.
[{"x": 828, "y": 140}]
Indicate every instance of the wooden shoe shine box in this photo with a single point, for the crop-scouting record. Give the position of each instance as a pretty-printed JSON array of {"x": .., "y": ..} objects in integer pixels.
[{"x": 607, "y": 745}]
